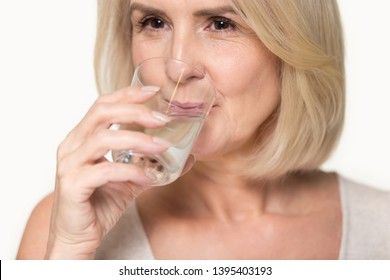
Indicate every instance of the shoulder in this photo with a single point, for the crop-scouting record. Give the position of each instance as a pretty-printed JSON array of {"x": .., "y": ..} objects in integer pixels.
[
  {"x": 36, "y": 233},
  {"x": 366, "y": 223},
  {"x": 364, "y": 198},
  {"x": 127, "y": 240}
]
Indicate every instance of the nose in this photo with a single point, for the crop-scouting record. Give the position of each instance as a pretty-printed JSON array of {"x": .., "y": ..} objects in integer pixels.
[
  {"x": 181, "y": 72},
  {"x": 185, "y": 47}
]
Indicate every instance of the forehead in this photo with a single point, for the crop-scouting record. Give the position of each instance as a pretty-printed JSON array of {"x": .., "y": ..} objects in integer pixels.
[{"x": 183, "y": 5}]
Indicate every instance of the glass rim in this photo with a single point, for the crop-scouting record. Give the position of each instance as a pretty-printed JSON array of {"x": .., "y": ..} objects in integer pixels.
[{"x": 166, "y": 58}]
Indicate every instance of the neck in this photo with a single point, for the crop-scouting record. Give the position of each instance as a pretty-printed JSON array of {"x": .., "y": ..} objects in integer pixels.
[{"x": 216, "y": 191}]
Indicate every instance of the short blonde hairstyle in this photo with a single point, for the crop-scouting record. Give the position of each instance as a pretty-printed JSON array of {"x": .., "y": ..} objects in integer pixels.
[{"x": 305, "y": 36}]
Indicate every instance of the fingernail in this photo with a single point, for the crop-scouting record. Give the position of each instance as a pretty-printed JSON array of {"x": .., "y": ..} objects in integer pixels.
[
  {"x": 161, "y": 117},
  {"x": 150, "y": 89},
  {"x": 162, "y": 142}
]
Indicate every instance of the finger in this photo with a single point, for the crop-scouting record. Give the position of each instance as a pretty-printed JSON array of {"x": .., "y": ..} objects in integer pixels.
[
  {"x": 127, "y": 95},
  {"x": 104, "y": 115},
  {"x": 100, "y": 144},
  {"x": 130, "y": 94},
  {"x": 79, "y": 186}
]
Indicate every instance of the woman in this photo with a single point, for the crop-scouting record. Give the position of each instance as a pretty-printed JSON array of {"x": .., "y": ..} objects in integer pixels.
[{"x": 255, "y": 191}]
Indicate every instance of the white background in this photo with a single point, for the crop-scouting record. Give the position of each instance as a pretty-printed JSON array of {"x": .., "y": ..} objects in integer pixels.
[{"x": 47, "y": 84}]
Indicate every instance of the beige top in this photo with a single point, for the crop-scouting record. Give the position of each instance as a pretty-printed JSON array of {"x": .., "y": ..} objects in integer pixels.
[{"x": 365, "y": 228}]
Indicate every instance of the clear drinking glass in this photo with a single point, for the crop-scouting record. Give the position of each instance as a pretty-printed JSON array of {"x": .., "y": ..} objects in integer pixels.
[{"x": 186, "y": 95}]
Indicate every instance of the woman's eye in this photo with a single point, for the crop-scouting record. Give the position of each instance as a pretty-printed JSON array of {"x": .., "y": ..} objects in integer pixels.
[
  {"x": 223, "y": 24},
  {"x": 153, "y": 22},
  {"x": 157, "y": 23}
]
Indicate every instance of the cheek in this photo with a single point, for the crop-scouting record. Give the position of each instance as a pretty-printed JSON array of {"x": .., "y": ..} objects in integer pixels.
[
  {"x": 248, "y": 89},
  {"x": 242, "y": 69},
  {"x": 249, "y": 94},
  {"x": 142, "y": 50}
]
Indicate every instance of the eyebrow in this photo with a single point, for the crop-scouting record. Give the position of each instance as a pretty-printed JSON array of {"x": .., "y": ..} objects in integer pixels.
[
  {"x": 200, "y": 13},
  {"x": 215, "y": 11},
  {"x": 145, "y": 9}
]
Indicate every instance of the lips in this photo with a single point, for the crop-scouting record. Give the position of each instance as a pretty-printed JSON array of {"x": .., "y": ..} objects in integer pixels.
[
  {"x": 179, "y": 108},
  {"x": 187, "y": 106}
]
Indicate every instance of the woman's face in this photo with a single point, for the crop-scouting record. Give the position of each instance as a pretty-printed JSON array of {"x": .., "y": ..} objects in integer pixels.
[{"x": 210, "y": 35}]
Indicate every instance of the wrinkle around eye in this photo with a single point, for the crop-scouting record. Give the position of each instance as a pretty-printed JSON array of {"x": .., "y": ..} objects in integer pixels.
[
  {"x": 222, "y": 26},
  {"x": 227, "y": 25},
  {"x": 151, "y": 24}
]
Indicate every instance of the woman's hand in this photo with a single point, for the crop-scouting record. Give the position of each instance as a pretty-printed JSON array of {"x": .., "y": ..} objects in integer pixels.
[{"x": 91, "y": 192}]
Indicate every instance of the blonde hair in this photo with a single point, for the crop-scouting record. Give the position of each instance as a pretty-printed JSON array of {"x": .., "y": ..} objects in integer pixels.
[
  {"x": 113, "y": 65},
  {"x": 305, "y": 36}
]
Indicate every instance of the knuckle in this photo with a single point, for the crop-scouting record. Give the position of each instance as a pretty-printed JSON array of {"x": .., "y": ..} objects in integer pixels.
[
  {"x": 104, "y": 98},
  {"x": 62, "y": 167},
  {"x": 100, "y": 109},
  {"x": 62, "y": 150},
  {"x": 119, "y": 94},
  {"x": 123, "y": 93}
]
